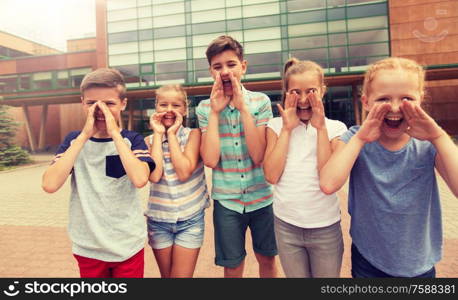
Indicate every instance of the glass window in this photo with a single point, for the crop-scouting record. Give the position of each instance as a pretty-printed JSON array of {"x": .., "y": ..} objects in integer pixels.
[
  {"x": 307, "y": 29},
  {"x": 208, "y": 16},
  {"x": 169, "y": 32},
  {"x": 230, "y": 3},
  {"x": 337, "y": 39},
  {"x": 170, "y": 8},
  {"x": 261, "y": 10},
  {"x": 369, "y": 50},
  {"x": 62, "y": 79},
  {"x": 146, "y": 57},
  {"x": 145, "y": 23},
  {"x": 129, "y": 71},
  {"x": 145, "y": 46},
  {"x": 338, "y": 65},
  {"x": 176, "y": 66},
  {"x": 122, "y": 26},
  {"x": 259, "y": 47},
  {"x": 233, "y": 13},
  {"x": 147, "y": 69},
  {"x": 208, "y": 27},
  {"x": 122, "y": 48},
  {"x": 42, "y": 80},
  {"x": 76, "y": 76},
  {"x": 368, "y": 36},
  {"x": 264, "y": 58},
  {"x": 124, "y": 14},
  {"x": 8, "y": 83},
  {"x": 262, "y": 34},
  {"x": 359, "y": 11},
  {"x": 143, "y": 2},
  {"x": 367, "y": 23},
  {"x": 170, "y": 43},
  {"x": 201, "y": 64},
  {"x": 336, "y": 13},
  {"x": 334, "y": 3},
  {"x": 145, "y": 11},
  {"x": 307, "y": 16},
  {"x": 308, "y": 42},
  {"x": 169, "y": 78},
  {"x": 294, "y": 5},
  {"x": 145, "y": 34},
  {"x": 116, "y": 4},
  {"x": 311, "y": 54},
  {"x": 204, "y": 39},
  {"x": 246, "y": 2},
  {"x": 257, "y": 22},
  {"x": 263, "y": 71},
  {"x": 170, "y": 55},
  {"x": 121, "y": 37},
  {"x": 171, "y": 20},
  {"x": 198, "y": 52},
  {"x": 338, "y": 52},
  {"x": 234, "y": 24},
  {"x": 24, "y": 82},
  {"x": 238, "y": 35},
  {"x": 124, "y": 59},
  {"x": 197, "y": 5},
  {"x": 337, "y": 26}
]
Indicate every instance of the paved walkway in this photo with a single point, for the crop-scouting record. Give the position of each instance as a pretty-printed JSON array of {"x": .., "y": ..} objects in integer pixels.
[{"x": 34, "y": 240}]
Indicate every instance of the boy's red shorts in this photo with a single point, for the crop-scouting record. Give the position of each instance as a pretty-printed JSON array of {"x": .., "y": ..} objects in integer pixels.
[{"x": 94, "y": 268}]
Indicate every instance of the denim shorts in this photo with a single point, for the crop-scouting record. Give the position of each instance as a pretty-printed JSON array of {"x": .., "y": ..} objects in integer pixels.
[
  {"x": 188, "y": 233},
  {"x": 230, "y": 228}
]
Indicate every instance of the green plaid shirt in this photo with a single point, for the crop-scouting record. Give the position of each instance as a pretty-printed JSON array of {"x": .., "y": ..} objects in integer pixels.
[{"x": 238, "y": 184}]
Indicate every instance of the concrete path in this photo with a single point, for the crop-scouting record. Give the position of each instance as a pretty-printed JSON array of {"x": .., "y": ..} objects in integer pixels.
[{"x": 34, "y": 240}]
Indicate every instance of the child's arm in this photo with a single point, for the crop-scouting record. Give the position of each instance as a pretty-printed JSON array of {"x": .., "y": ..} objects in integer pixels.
[
  {"x": 423, "y": 127},
  {"x": 155, "y": 149},
  {"x": 277, "y": 146},
  {"x": 323, "y": 146},
  {"x": 184, "y": 162},
  {"x": 255, "y": 136},
  {"x": 210, "y": 147},
  {"x": 336, "y": 171},
  {"x": 57, "y": 173},
  {"x": 138, "y": 171}
]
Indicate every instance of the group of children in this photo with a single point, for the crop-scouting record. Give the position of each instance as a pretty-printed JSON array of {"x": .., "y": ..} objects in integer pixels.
[{"x": 277, "y": 176}]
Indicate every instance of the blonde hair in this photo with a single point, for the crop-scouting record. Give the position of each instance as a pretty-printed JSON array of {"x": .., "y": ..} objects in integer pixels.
[
  {"x": 295, "y": 66},
  {"x": 176, "y": 88},
  {"x": 394, "y": 63}
]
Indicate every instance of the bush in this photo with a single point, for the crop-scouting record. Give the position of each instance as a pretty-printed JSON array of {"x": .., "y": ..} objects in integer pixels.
[{"x": 10, "y": 154}]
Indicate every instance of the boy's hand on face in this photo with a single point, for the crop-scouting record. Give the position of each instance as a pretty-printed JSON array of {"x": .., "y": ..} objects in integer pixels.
[
  {"x": 218, "y": 100},
  {"x": 421, "y": 125},
  {"x": 178, "y": 121},
  {"x": 155, "y": 122},
  {"x": 370, "y": 130},
  {"x": 317, "y": 120},
  {"x": 289, "y": 114},
  {"x": 89, "y": 128},
  {"x": 112, "y": 125},
  {"x": 237, "y": 95}
]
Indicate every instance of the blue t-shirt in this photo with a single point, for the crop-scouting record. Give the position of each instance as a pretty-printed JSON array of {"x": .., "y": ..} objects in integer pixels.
[
  {"x": 106, "y": 219},
  {"x": 394, "y": 206}
]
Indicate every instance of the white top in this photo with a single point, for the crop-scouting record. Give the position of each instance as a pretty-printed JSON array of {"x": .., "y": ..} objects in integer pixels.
[{"x": 298, "y": 199}]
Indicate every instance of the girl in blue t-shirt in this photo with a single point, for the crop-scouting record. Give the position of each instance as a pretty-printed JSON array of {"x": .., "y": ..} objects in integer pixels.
[{"x": 391, "y": 158}]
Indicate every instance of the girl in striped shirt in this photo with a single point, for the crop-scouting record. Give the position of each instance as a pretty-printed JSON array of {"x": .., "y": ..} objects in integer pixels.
[{"x": 178, "y": 194}]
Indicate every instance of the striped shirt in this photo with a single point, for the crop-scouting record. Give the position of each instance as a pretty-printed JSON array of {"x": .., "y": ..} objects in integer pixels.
[
  {"x": 238, "y": 184},
  {"x": 171, "y": 200}
]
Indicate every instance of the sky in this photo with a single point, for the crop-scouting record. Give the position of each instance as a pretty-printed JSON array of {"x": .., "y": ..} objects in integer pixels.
[{"x": 48, "y": 22}]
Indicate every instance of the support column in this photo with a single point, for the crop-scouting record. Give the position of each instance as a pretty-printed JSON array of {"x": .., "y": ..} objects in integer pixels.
[
  {"x": 30, "y": 136},
  {"x": 42, "y": 136},
  {"x": 356, "y": 104}
]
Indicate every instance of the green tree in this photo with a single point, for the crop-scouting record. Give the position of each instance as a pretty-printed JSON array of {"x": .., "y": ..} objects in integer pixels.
[{"x": 10, "y": 154}]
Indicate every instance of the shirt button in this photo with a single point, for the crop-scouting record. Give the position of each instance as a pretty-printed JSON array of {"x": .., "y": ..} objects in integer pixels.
[
  {"x": 240, "y": 160},
  {"x": 233, "y": 126},
  {"x": 236, "y": 143},
  {"x": 241, "y": 176}
]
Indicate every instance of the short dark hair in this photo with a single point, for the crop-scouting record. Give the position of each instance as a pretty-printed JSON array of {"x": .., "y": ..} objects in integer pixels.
[
  {"x": 104, "y": 77},
  {"x": 221, "y": 44}
]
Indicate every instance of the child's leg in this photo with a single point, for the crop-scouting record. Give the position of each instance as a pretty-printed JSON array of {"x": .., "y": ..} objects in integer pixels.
[
  {"x": 164, "y": 260},
  {"x": 160, "y": 238},
  {"x": 325, "y": 248},
  {"x": 188, "y": 240},
  {"x": 130, "y": 268},
  {"x": 93, "y": 268},
  {"x": 261, "y": 223},
  {"x": 291, "y": 249},
  {"x": 230, "y": 229}
]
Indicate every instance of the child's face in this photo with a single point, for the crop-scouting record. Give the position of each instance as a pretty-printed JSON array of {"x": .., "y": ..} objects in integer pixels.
[
  {"x": 393, "y": 87},
  {"x": 168, "y": 102},
  {"x": 224, "y": 63},
  {"x": 111, "y": 98},
  {"x": 303, "y": 84}
]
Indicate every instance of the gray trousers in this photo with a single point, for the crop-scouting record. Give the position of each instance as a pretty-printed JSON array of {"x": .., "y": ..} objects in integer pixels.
[{"x": 313, "y": 252}]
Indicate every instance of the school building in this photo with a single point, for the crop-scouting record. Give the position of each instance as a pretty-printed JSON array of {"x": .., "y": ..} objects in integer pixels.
[{"x": 155, "y": 42}]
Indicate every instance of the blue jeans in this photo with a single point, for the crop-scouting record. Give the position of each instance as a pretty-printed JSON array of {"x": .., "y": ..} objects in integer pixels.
[
  {"x": 309, "y": 252},
  {"x": 188, "y": 233},
  {"x": 361, "y": 268}
]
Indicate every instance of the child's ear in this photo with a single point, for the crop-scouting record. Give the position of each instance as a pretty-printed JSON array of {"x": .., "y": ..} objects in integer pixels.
[
  {"x": 244, "y": 66},
  {"x": 364, "y": 102},
  {"x": 124, "y": 104}
]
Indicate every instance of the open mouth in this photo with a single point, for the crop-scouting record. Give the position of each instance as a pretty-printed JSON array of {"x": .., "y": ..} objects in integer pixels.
[
  {"x": 393, "y": 122},
  {"x": 227, "y": 84},
  {"x": 308, "y": 108}
]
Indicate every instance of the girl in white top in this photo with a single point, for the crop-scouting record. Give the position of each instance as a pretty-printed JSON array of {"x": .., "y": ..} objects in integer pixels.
[{"x": 299, "y": 143}]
